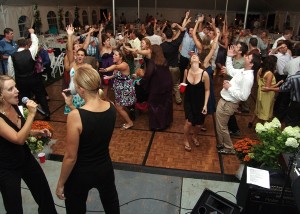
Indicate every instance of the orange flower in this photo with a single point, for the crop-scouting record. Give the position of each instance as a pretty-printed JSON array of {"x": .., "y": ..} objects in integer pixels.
[
  {"x": 39, "y": 125},
  {"x": 247, "y": 158},
  {"x": 243, "y": 147}
]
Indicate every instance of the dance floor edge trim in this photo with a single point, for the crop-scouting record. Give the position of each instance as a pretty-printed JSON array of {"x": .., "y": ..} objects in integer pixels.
[{"x": 165, "y": 171}]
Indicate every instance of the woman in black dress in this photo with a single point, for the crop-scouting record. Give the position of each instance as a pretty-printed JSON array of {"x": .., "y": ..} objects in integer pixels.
[
  {"x": 87, "y": 163},
  {"x": 16, "y": 160},
  {"x": 195, "y": 100},
  {"x": 158, "y": 84}
]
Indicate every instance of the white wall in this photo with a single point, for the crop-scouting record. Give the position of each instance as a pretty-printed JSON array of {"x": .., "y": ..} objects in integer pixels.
[{"x": 10, "y": 15}]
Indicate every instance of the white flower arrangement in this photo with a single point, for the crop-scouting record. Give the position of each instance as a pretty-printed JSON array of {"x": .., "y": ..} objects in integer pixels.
[
  {"x": 292, "y": 132},
  {"x": 292, "y": 142},
  {"x": 260, "y": 128}
]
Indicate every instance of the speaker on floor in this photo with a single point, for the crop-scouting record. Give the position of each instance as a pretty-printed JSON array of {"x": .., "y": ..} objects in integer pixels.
[{"x": 210, "y": 202}]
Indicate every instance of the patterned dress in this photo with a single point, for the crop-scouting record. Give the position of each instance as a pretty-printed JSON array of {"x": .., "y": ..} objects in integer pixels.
[
  {"x": 76, "y": 100},
  {"x": 124, "y": 90}
]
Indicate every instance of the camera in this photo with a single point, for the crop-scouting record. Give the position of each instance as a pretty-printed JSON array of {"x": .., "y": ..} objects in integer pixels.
[{"x": 67, "y": 92}]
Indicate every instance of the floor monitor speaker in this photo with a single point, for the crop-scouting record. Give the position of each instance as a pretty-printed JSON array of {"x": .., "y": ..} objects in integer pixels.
[{"x": 212, "y": 203}]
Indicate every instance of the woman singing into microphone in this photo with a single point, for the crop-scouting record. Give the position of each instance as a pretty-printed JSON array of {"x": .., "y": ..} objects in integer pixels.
[{"x": 16, "y": 160}]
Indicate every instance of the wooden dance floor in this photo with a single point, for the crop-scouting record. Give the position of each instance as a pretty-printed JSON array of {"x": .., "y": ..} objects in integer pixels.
[{"x": 140, "y": 149}]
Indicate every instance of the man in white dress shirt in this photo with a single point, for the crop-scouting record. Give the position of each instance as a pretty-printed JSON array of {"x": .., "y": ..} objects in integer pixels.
[
  {"x": 154, "y": 39},
  {"x": 287, "y": 35},
  {"x": 293, "y": 65},
  {"x": 236, "y": 90},
  {"x": 134, "y": 40}
]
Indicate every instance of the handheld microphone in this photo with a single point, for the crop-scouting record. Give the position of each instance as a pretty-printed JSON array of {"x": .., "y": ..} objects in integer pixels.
[{"x": 25, "y": 99}]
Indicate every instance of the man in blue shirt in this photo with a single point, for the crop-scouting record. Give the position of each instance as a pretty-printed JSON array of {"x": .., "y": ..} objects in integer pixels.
[{"x": 7, "y": 48}]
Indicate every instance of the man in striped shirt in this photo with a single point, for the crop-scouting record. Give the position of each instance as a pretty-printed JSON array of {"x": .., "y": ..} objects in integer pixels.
[{"x": 292, "y": 85}]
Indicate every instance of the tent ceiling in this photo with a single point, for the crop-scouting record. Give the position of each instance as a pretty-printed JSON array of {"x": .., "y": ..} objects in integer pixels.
[{"x": 233, "y": 5}]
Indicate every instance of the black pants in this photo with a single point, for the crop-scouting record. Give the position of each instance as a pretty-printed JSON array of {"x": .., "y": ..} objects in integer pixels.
[
  {"x": 282, "y": 101},
  {"x": 80, "y": 182},
  {"x": 281, "y": 105},
  {"x": 34, "y": 177},
  {"x": 48, "y": 70},
  {"x": 293, "y": 114},
  {"x": 232, "y": 124},
  {"x": 33, "y": 85},
  {"x": 183, "y": 63}
]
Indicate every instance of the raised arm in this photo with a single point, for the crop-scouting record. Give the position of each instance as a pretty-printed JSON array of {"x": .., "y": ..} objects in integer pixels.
[
  {"x": 100, "y": 38},
  {"x": 35, "y": 43},
  {"x": 88, "y": 39},
  {"x": 225, "y": 33},
  {"x": 229, "y": 66},
  {"x": 194, "y": 34},
  {"x": 155, "y": 26},
  {"x": 185, "y": 20},
  {"x": 70, "y": 53},
  {"x": 213, "y": 48},
  {"x": 164, "y": 26},
  {"x": 181, "y": 29}
]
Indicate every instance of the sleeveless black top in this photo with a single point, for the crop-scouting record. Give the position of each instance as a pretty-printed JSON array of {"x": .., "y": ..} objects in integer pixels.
[
  {"x": 97, "y": 129},
  {"x": 13, "y": 156},
  {"x": 194, "y": 102}
]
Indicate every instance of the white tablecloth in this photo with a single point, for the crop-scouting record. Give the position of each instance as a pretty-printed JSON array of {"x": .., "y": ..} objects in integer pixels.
[{"x": 57, "y": 45}]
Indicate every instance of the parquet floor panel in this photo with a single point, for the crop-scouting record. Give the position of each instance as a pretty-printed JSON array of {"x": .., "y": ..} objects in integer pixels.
[
  {"x": 167, "y": 151},
  {"x": 129, "y": 146}
]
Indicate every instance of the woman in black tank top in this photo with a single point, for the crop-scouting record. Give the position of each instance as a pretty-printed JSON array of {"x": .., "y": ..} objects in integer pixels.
[{"x": 87, "y": 163}]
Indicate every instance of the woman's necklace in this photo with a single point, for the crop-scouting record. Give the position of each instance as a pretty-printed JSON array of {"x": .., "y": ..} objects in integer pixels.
[
  {"x": 3, "y": 111},
  {"x": 11, "y": 116}
]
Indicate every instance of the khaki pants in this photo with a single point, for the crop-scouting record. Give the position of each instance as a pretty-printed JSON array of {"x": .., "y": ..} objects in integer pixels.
[
  {"x": 224, "y": 110},
  {"x": 175, "y": 72}
]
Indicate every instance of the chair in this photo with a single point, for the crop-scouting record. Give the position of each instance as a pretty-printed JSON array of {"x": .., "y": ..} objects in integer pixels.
[{"x": 58, "y": 66}]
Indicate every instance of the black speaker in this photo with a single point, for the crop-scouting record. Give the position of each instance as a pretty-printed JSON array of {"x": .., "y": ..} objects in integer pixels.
[{"x": 210, "y": 202}]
